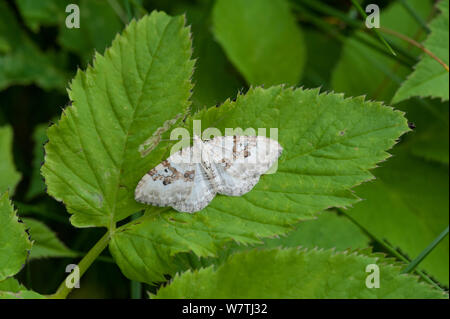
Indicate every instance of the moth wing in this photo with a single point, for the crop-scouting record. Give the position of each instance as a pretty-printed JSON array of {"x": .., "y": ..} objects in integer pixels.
[
  {"x": 202, "y": 193},
  {"x": 241, "y": 160},
  {"x": 169, "y": 182}
]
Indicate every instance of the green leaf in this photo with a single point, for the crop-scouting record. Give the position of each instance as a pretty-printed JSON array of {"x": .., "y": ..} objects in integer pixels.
[
  {"x": 328, "y": 231},
  {"x": 14, "y": 242},
  {"x": 293, "y": 273},
  {"x": 98, "y": 23},
  {"x": 362, "y": 70},
  {"x": 407, "y": 207},
  {"x": 37, "y": 185},
  {"x": 92, "y": 160},
  {"x": 262, "y": 40},
  {"x": 329, "y": 145},
  {"x": 22, "y": 294},
  {"x": 10, "y": 284},
  {"x": 45, "y": 242},
  {"x": 11, "y": 289},
  {"x": 430, "y": 78},
  {"x": 43, "y": 12},
  {"x": 21, "y": 61},
  {"x": 10, "y": 177}
]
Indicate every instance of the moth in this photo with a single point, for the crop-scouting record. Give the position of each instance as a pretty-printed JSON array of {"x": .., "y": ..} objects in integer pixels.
[{"x": 189, "y": 179}]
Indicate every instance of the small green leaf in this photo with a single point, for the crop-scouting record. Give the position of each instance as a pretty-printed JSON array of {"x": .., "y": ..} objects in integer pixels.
[
  {"x": 10, "y": 288},
  {"x": 10, "y": 177},
  {"x": 430, "y": 78},
  {"x": 45, "y": 242},
  {"x": 37, "y": 185},
  {"x": 21, "y": 60},
  {"x": 14, "y": 242},
  {"x": 293, "y": 273},
  {"x": 329, "y": 145},
  {"x": 407, "y": 207},
  {"x": 22, "y": 294},
  {"x": 262, "y": 40},
  {"x": 10, "y": 284},
  {"x": 43, "y": 12},
  {"x": 92, "y": 160}
]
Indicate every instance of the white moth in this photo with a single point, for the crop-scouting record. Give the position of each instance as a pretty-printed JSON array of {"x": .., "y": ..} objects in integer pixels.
[{"x": 189, "y": 179}]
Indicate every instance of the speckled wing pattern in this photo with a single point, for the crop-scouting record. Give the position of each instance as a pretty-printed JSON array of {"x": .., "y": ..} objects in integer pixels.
[{"x": 189, "y": 179}]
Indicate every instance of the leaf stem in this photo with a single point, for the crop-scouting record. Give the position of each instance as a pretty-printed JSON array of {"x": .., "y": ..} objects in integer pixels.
[
  {"x": 118, "y": 10},
  {"x": 416, "y": 44},
  {"x": 135, "y": 286},
  {"x": 425, "y": 252},
  {"x": 63, "y": 291},
  {"x": 330, "y": 27},
  {"x": 128, "y": 10}
]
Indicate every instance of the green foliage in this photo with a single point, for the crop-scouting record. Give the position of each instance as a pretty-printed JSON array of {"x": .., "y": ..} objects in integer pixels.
[
  {"x": 9, "y": 175},
  {"x": 14, "y": 242},
  {"x": 45, "y": 242},
  {"x": 10, "y": 284},
  {"x": 92, "y": 161},
  {"x": 328, "y": 231},
  {"x": 430, "y": 139},
  {"x": 23, "y": 294},
  {"x": 430, "y": 79},
  {"x": 410, "y": 194},
  {"x": 98, "y": 23},
  {"x": 408, "y": 190},
  {"x": 21, "y": 61},
  {"x": 362, "y": 70},
  {"x": 262, "y": 39},
  {"x": 11, "y": 289},
  {"x": 123, "y": 107},
  {"x": 42, "y": 13},
  {"x": 293, "y": 273},
  {"x": 326, "y": 153}
]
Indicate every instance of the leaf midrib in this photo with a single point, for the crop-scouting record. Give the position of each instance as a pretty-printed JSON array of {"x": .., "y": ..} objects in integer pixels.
[{"x": 120, "y": 167}]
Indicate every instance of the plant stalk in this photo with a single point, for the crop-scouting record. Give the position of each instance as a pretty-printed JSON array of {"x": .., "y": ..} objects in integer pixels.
[
  {"x": 425, "y": 252},
  {"x": 63, "y": 291},
  {"x": 416, "y": 44},
  {"x": 364, "y": 15}
]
